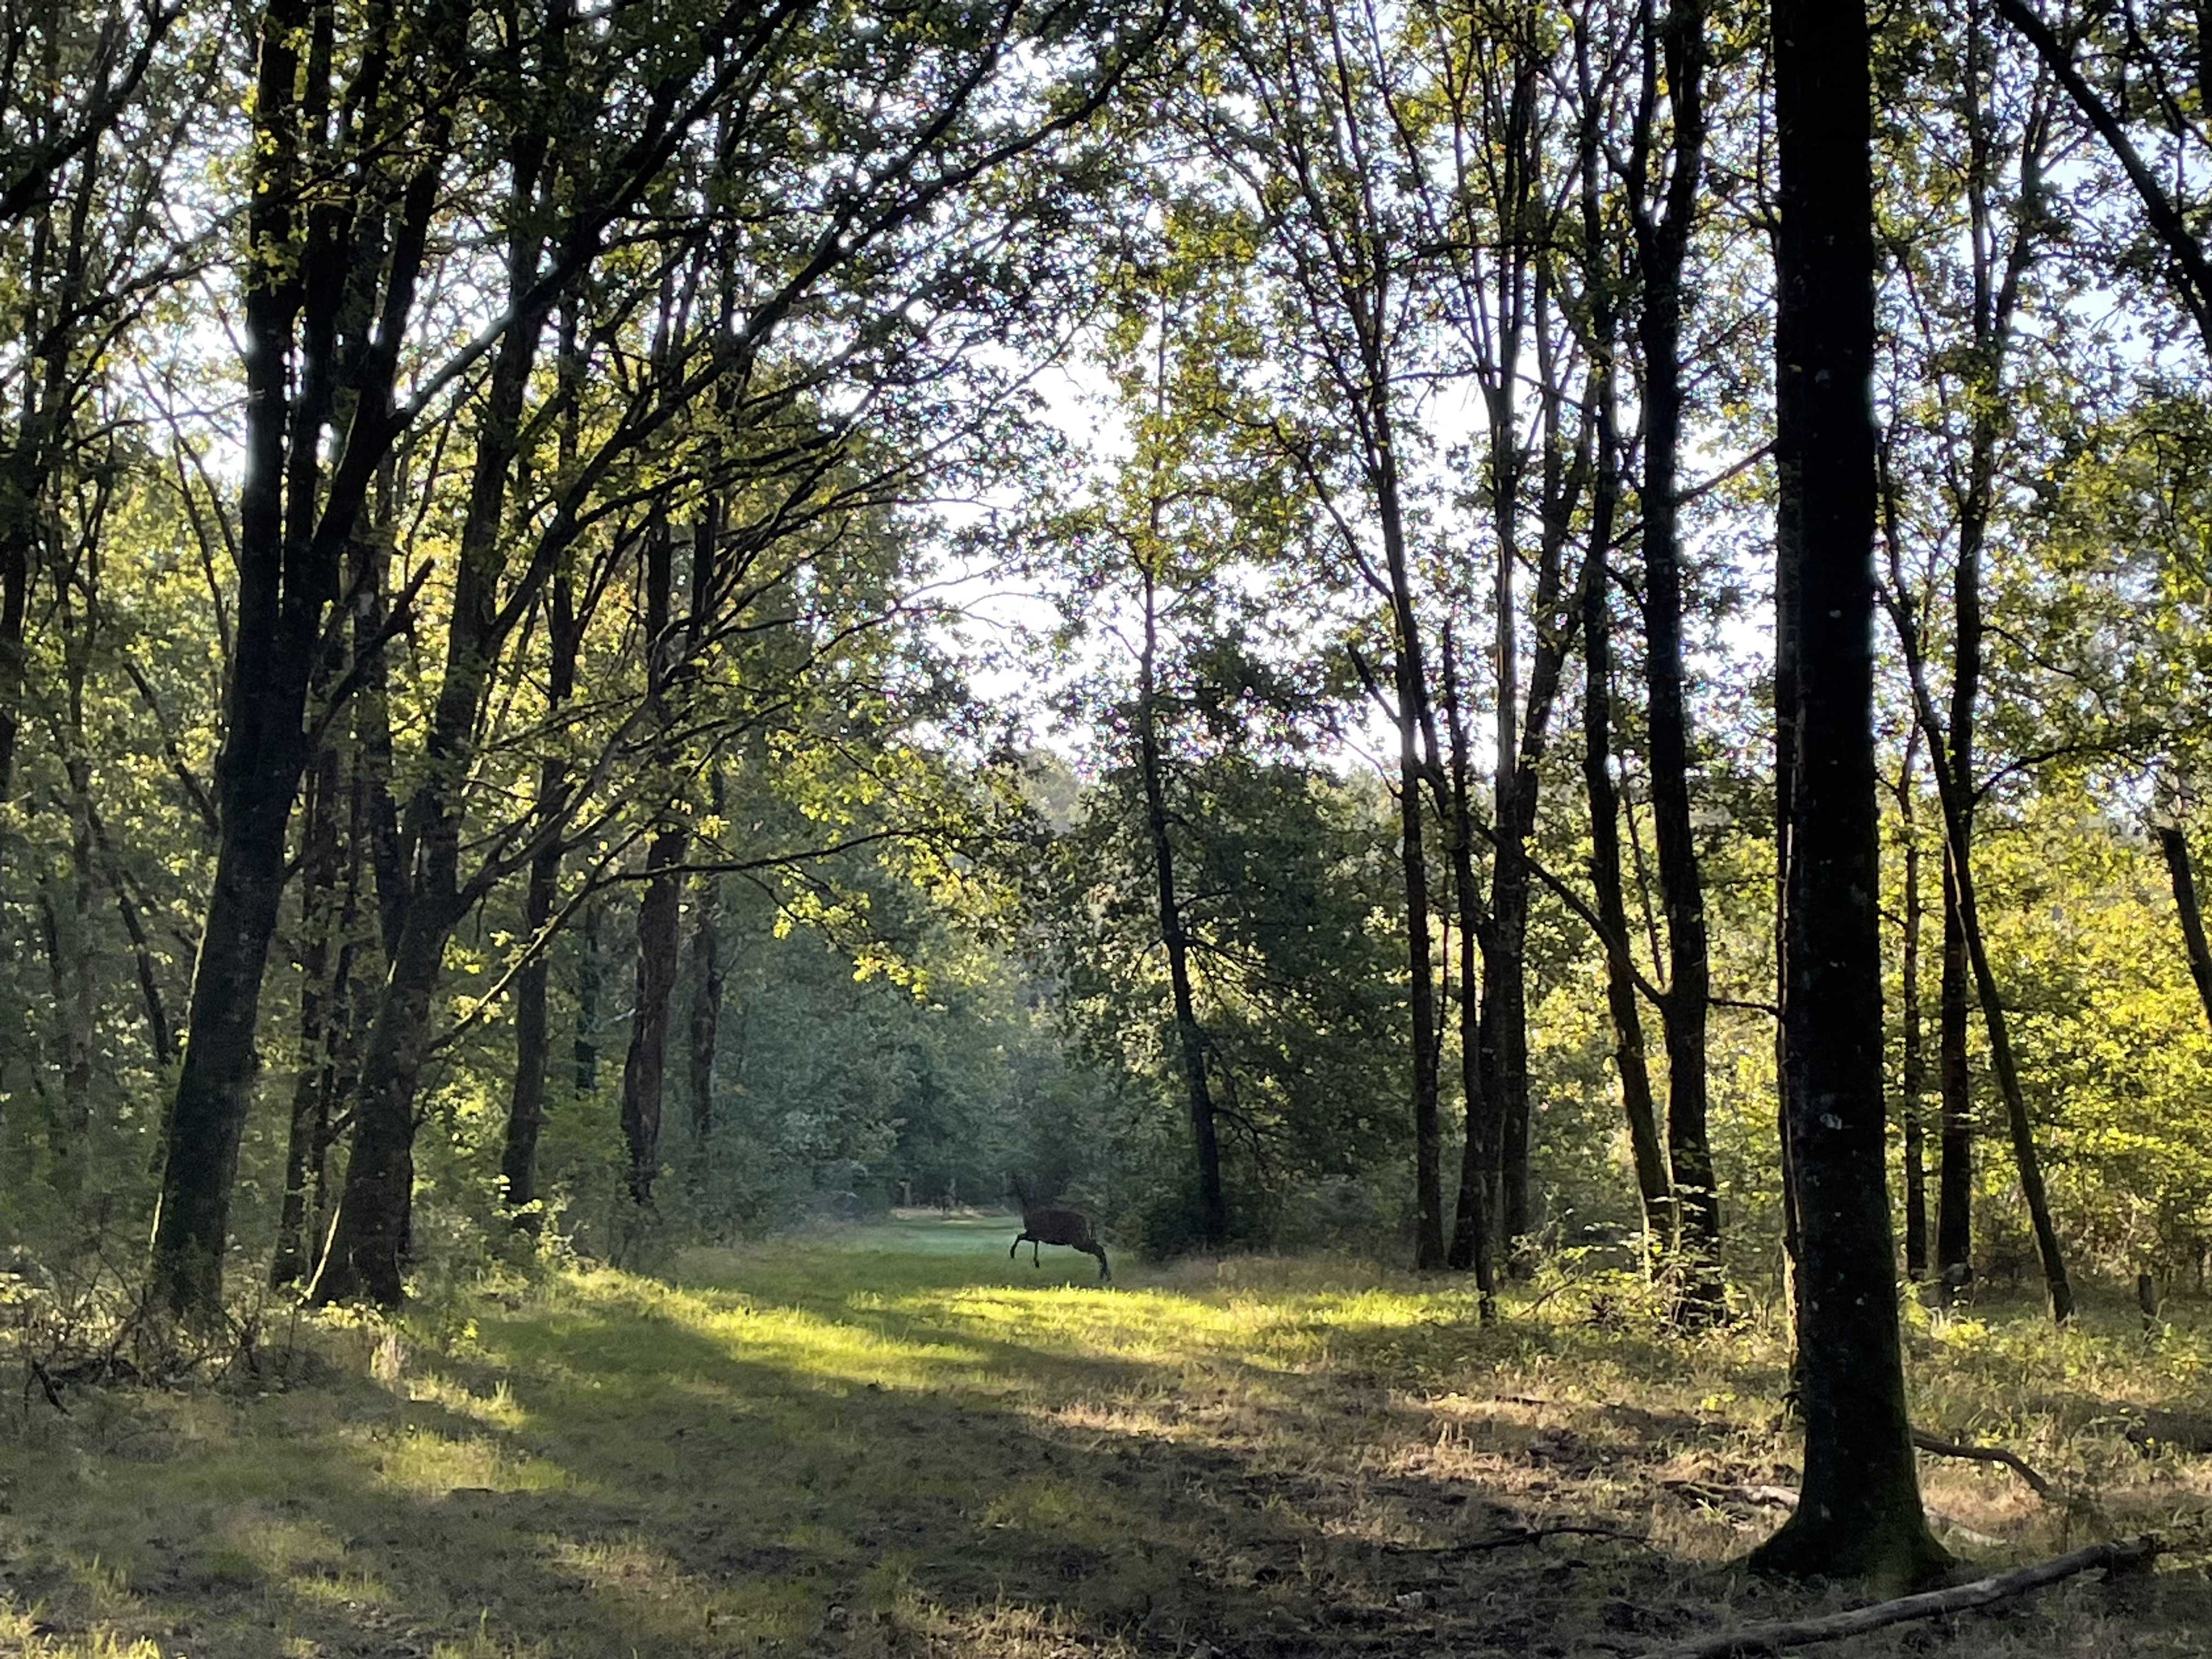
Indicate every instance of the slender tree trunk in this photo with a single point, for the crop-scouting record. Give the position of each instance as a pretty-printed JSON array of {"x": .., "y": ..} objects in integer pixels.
[
  {"x": 1914, "y": 1078},
  {"x": 1654, "y": 1183},
  {"x": 708, "y": 981},
  {"x": 584, "y": 1051},
  {"x": 320, "y": 870},
  {"x": 1662, "y": 246},
  {"x": 645, "y": 1065},
  {"x": 2173, "y": 843},
  {"x": 1473, "y": 1243},
  {"x": 76, "y": 988},
  {"x": 1954, "y": 1167},
  {"x": 1998, "y": 1026},
  {"x": 526, "y": 1105},
  {"x": 1213, "y": 1207},
  {"x": 1860, "y": 1515},
  {"x": 258, "y": 769},
  {"x": 1416, "y": 750}
]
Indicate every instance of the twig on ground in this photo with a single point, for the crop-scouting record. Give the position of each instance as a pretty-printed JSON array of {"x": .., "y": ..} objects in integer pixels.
[
  {"x": 1960, "y": 1598},
  {"x": 1929, "y": 1443}
]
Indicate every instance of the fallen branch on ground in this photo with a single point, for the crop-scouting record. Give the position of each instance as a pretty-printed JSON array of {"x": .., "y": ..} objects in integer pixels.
[
  {"x": 1929, "y": 1443},
  {"x": 1960, "y": 1598}
]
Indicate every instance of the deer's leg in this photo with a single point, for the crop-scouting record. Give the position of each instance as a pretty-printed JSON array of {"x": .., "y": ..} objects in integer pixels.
[
  {"x": 1105, "y": 1273},
  {"x": 1035, "y": 1245},
  {"x": 1014, "y": 1248}
]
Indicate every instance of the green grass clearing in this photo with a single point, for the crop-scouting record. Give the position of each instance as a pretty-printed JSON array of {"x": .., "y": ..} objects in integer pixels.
[{"x": 894, "y": 1441}]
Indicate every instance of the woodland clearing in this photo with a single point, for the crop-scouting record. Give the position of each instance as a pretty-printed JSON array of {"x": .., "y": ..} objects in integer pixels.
[{"x": 893, "y": 1440}]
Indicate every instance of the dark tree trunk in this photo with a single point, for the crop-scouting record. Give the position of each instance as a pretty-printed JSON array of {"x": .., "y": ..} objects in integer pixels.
[
  {"x": 1416, "y": 753},
  {"x": 645, "y": 1066},
  {"x": 709, "y": 976},
  {"x": 1860, "y": 1513},
  {"x": 1662, "y": 245},
  {"x": 320, "y": 869},
  {"x": 1655, "y": 1185},
  {"x": 369, "y": 1244},
  {"x": 590, "y": 971},
  {"x": 1789, "y": 541},
  {"x": 1954, "y": 1152},
  {"x": 525, "y": 1104},
  {"x": 368, "y": 1250},
  {"x": 1474, "y": 1243},
  {"x": 1212, "y": 1207},
  {"x": 295, "y": 518},
  {"x": 1997, "y": 1024},
  {"x": 1913, "y": 1080},
  {"x": 2173, "y": 843}
]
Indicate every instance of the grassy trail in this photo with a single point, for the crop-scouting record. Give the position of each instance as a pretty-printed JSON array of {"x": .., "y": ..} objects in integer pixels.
[{"x": 897, "y": 1441}]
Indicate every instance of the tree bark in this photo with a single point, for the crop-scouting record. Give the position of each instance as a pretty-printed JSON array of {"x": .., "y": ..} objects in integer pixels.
[
  {"x": 320, "y": 873},
  {"x": 709, "y": 976},
  {"x": 1654, "y": 1181},
  {"x": 645, "y": 1065},
  {"x": 1662, "y": 245},
  {"x": 1860, "y": 1516},
  {"x": 525, "y": 1104},
  {"x": 1913, "y": 1079},
  {"x": 1473, "y": 1243},
  {"x": 1190, "y": 1037},
  {"x": 295, "y": 518}
]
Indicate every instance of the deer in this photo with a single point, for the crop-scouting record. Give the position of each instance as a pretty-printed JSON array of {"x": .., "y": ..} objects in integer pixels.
[{"x": 1056, "y": 1224}]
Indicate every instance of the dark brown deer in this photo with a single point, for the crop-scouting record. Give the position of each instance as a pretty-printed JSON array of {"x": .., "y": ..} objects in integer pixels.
[{"x": 1056, "y": 1223}]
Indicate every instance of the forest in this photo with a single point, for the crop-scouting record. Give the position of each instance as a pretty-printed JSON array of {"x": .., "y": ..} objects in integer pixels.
[{"x": 1514, "y": 690}]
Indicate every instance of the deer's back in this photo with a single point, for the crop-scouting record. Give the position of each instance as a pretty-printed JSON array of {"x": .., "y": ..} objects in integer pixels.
[{"x": 1056, "y": 1224}]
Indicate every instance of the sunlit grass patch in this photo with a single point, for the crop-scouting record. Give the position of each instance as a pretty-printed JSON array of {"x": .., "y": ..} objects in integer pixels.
[{"x": 903, "y": 1443}]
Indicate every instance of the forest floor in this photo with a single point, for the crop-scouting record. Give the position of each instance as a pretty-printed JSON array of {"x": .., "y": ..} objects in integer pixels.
[{"x": 892, "y": 1441}]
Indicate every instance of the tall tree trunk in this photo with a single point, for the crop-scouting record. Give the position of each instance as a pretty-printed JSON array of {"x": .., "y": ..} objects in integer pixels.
[
  {"x": 1860, "y": 1515},
  {"x": 1416, "y": 760},
  {"x": 1473, "y": 1242},
  {"x": 1213, "y": 1207},
  {"x": 1996, "y": 1023},
  {"x": 1654, "y": 1183},
  {"x": 2173, "y": 843},
  {"x": 1913, "y": 1080},
  {"x": 295, "y": 518},
  {"x": 1955, "y": 1150},
  {"x": 526, "y": 1103},
  {"x": 645, "y": 1065},
  {"x": 1662, "y": 245},
  {"x": 370, "y": 1243}
]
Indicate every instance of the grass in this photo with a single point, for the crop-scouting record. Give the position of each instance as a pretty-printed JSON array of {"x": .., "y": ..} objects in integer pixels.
[{"x": 896, "y": 1441}]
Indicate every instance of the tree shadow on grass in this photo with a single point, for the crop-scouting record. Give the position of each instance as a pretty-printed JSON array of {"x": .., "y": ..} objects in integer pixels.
[{"x": 940, "y": 1465}]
